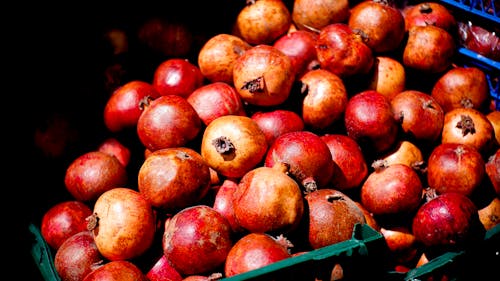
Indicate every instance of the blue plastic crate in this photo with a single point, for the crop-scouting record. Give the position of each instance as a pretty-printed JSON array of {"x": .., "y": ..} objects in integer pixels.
[{"x": 485, "y": 9}]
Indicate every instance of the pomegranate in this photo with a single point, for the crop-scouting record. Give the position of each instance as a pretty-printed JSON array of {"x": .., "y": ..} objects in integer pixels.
[
  {"x": 325, "y": 98},
  {"x": 263, "y": 76},
  {"x": 429, "y": 13},
  {"x": 223, "y": 203},
  {"x": 268, "y": 200},
  {"x": 263, "y": 21},
  {"x": 92, "y": 173},
  {"x": 382, "y": 24},
  {"x": 300, "y": 47},
  {"x": 168, "y": 113},
  {"x": 429, "y": 49},
  {"x": 197, "y": 240},
  {"x": 369, "y": 120},
  {"x": 388, "y": 77},
  {"x": 391, "y": 191},
  {"x": 447, "y": 222},
  {"x": 77, "y": 257},
  {"x": 255, "y": 250},
  {"x": 369, "y": 217},
  {"x": 63, "y": 220},
  {"x": 347, "y": 155},
  {"x": 489, "y": 215},
  {"x": 419, "y": 115},
  {"x": 177, "y": 76},
  {"x": 116, "y": 148},
  {"x": 307, "y": 155},
  {"x": 117, "y": 270},
  {"x": 217, "y": 56},
  {"x": 462, "y": 87},
  {"x": 492, "y": 168},
  {"x": 315, "y": 14},
  {"x": 174, "y": 178},
  {"x": 401, "y": 243},
  {"x": 407, "y": 153},
  {"x": 468, "y": 126},
  {"x": 123, "y": 108},
  {"x": 454, "y": 167},
  {"x": 332, "y": 216},
  {"x": 277, "y": 122},
  {"x": 494, "y": 118},
  {"x": 163, "y": 270},
  {"x": 342, "y": 51},
  {"x": 233, "y": 145},
  {"x": 214, "y": 100},
  {"x": 123, "y": 224}
]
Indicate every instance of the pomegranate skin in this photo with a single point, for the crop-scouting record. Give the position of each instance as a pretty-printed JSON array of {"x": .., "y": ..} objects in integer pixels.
[
  {"x": 63, "y": 220},
  {"x": 77, "y": 257},
  {"x": 197, "y": 240},
  {"x": 453, "y": 167},
  {"x": 449, "y": 221},
  {"x": 308, "y": 156},
  {"x": 277, "y": 122},
  {"x": 392, "y": 190},
  {"x": 253, "y": 251},
  {"x": 117, "y": 270},
  {"x": 93, "y": 173},
  {"x": 332, "y": 216}
]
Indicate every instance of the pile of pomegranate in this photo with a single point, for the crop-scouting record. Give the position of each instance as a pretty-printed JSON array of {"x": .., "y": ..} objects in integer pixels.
[{"x": 237, "y": 149}]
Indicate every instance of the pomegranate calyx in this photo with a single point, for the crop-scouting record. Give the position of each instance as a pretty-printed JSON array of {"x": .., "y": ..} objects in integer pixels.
[
  {"x": 92, "y": 221},
  {"x": 283, "y": 241},
  {"x": 223, "y": 145},
  {"x": 254, "y": 86},
  {"x": 430, "y": 193},
  {"x": 425, "y": 8},
  {"x": 282, "y": 167},
  {"x": 310, "y": 185},
  {"x": 466, "y": 103},
  {"x": 215, "y": 276},
  {"x": 144, "y": 102},
  {"x": 380, "y": 164},
  {"x": 466, "y": 124}
]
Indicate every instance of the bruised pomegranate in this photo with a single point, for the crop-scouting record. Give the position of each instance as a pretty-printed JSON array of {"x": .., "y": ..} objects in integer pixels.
[
  {"x": 277, "y": 122},
  {"x": 123, "y": 224},
  {"x": 390, "y": 191},
  {"x": 382, "y": 25},
  {"x": 268, "y": 200},
  {"x": 253, "y": 251},
  {"x": 307, "y": 155},
  {"x": 123, "y": 108},
  {"x": 419, "y": 115},
  {"x": 263, "y": 76},
  {"x": 446, "y": 222},
  {"x": 214, "y": 100},
  {"x": 92, "y": 173},
  {"x": 217, "y": 56},
  {"x": 462, "y": 87},
  {"x": 325, "y": 98},
  {"x": 468, "y": 126},
  {"x": 77, "y": 257},
  {"x": 63, "y": 220},
  {"x": 332, "y": 216},
  {"x": 263, "y": 21},
  {"x": 347, "y": 155},
  {"x": 454, "y": 167},
  {"x": 369, "y": 120},
  {"x": 117, "y": 270},
  {"x": 342, "y": 51},
  {"x": 315, "y": 14},
  {"x": 168, "y": 113},
  {"x": 174, "y": 178},
  {"x": 233, "y": 145},
  {"x": 197, "y": 240},
  {"x": 429, "y": 49}
]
